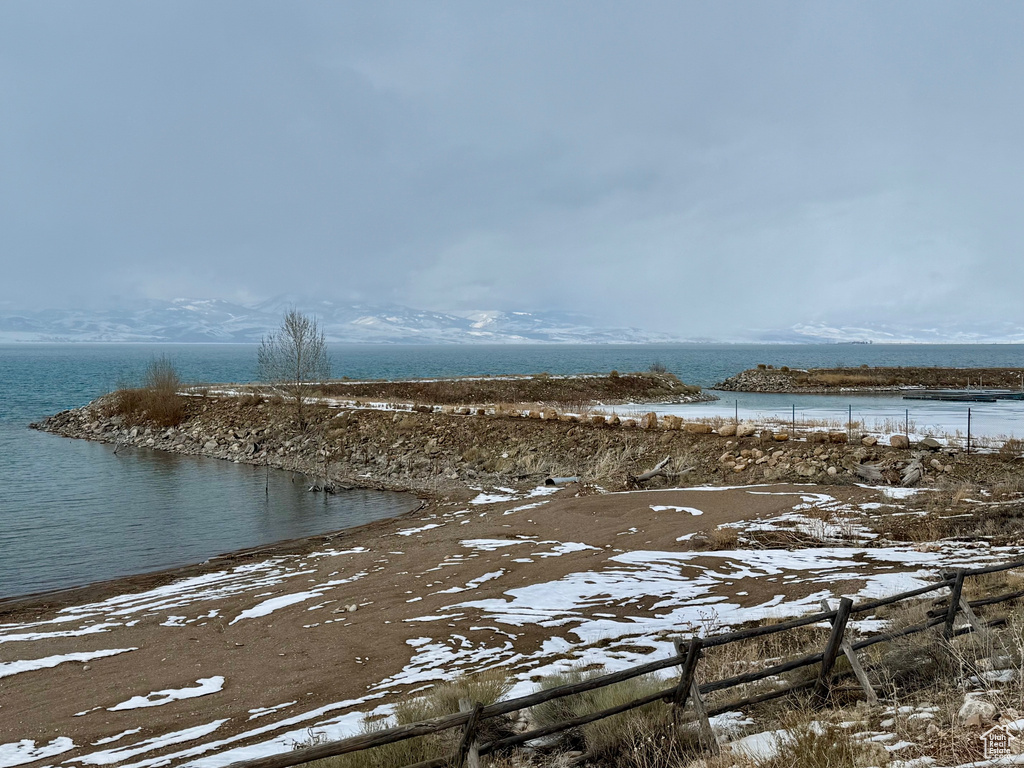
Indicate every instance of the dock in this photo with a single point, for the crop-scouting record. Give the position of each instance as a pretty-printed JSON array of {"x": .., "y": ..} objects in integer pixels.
[{"x": 965, "y": 395}]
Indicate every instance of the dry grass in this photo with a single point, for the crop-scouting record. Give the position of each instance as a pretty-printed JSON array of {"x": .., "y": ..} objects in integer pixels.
[
  {"x": 486, "y": 688},
  {"x": 577, "y": 391},
  {"x": 157, "y": 402},
  {"x": 619, "y": 738}
]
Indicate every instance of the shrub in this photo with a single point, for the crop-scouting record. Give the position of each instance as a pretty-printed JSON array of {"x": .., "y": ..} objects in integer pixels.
[
  {"x": 813, "y": 744},
  {"x": 157, "y": 402},
  {"x": 486, "y": 688},
  {"x": 1011, "y": 449},
  {"x": 658, "y": 367},
  {"x": 762, "y": 367},
  {"x": 615, "y": 736}
]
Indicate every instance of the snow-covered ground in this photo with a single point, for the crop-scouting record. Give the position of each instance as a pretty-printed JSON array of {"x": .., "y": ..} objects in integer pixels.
[
  {"x": 877, "y": 413},
  {"x": 610, "y": 607}
]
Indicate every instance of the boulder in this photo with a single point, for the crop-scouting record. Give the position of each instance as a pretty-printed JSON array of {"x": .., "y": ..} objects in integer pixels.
[
  {"x": 745, "y": 429},
  {"x": 805, "y": 470},
  {"x": 837, "y": 437},
  {"x": 649, "y": 420},
  {"x": 899, "y": 441},
  {"x": 976, "y": 710},
  {"x": 869, "y": 441},
  {"x": 781, "y": 437},
  {"x": 672, "y": 422},
  {"x": 613, "y": 421},
  {"x": 727, "y": 430},
  {"x": 210, "y": 445},
  {"x": 930, "y": 443},
  {"x": 870, "y": 753},
  {"x": 697, "y": 428},
  {"x": 597, "y": 421}
]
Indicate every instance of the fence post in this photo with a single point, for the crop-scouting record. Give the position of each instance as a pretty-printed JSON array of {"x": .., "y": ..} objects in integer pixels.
[
  {"x": 835, "y": 640},
  {"x": 468, "y": 755},
  {"x": 954, "y": 604},
  {"x": 689, "y": 690},
  {"x": 858, "y": 670}
]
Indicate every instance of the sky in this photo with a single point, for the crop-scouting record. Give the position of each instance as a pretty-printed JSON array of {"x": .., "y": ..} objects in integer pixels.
[{"x": 688, "y": 167}]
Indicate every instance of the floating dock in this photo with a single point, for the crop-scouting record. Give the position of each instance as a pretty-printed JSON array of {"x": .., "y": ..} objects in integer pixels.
[{"x": 965, "y": 395}]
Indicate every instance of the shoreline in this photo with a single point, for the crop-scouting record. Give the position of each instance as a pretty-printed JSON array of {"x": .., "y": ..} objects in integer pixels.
[{"x": 53, "y": 599}]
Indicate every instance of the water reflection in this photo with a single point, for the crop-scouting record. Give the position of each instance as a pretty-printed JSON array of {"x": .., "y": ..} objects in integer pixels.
[{"x": 143, "y": 510}]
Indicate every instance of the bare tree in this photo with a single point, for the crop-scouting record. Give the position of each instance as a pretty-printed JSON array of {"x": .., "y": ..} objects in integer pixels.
[{"x": 295, "y": 356}]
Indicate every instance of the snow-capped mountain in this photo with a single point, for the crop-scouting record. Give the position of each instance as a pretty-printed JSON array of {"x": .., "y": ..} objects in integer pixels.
[
  {"x": 946, "y": 333},
  {"x": 213, "y": 320}
]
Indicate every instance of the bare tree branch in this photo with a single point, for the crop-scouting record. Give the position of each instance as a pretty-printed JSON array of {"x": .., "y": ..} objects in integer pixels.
[{"x": 294, "y": 356}]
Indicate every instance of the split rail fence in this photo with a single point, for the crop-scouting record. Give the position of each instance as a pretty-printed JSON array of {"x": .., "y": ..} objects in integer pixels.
[{"x": 685, "y": 690}]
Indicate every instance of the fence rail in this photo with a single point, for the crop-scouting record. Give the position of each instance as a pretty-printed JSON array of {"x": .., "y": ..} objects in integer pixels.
[{"x": 686, "y": 690}]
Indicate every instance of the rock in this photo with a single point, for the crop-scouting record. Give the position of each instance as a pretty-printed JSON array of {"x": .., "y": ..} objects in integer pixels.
[
  {"x": 597, "y": 421},
  {"x": 805, "y": 470},
  {"x": 745, "y": 429},
  {"x": 781, "y": 437},
  {"x": 869, "y": 441},
  {"x": 727, "y": 430},
  {"x": 210, "y": 445},
  {"x": 936, "y": 465},
  {"x": 697, "y": 428},
  {"x": 672, "y": 422},
  {"x": 837, "y": 437},
  {"x": 629, "y": 422},
  {"x": 930, "y": 443},
  {"x": 613, "y": 421},
  {"x": 649, "y": 420},
  {"x": 899, "y": 441},
  {"x": 976, "y": 710},
  {"x": 932, "y": 730},
  {"x": 832, "y": 471},
  {"x": 870, "y": 753},
  {"x": 817, "y": 437}
]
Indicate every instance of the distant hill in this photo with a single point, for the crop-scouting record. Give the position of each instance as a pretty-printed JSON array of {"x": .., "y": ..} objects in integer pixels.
[{"x": 213, "y": 320}]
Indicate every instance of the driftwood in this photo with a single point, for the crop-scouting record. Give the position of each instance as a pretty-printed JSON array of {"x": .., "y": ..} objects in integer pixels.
[
  {"x": 661, "y": 469},
  {"x": 326, "y": 486},
  {"x": 913, "y": 472},
  {"x": 868, "y": 472}
]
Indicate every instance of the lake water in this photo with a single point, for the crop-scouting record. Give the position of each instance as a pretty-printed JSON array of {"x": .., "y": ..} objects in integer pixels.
[{"x": 71, "y": 512}]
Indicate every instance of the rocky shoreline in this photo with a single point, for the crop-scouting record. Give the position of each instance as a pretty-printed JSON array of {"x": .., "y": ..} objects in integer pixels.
[{"x": 433, "y": 452}]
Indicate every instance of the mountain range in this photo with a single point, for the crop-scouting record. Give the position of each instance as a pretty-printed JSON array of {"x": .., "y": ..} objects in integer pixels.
[{"x": 216, "y": 320}]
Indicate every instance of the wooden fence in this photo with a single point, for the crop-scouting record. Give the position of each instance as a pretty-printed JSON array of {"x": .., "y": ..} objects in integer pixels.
[{"x": 685, "y": 690}]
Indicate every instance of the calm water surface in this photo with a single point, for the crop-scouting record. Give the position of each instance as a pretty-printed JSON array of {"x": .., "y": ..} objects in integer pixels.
[{"x": 71, "y": 512}]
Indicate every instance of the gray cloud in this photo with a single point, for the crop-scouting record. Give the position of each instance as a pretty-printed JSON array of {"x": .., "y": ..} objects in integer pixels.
[{"x": 691, "y": 167}]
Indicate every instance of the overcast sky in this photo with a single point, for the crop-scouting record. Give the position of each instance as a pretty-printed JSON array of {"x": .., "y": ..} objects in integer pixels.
[{"x": 685, "y": 167}]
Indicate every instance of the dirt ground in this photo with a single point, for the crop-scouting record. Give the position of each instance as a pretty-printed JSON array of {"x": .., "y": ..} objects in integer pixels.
[{"x": 329, "y": 626}]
